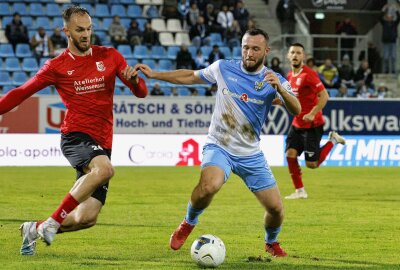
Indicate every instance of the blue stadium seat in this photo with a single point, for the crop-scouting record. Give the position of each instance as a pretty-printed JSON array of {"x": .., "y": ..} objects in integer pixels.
[
  {"x": 183, "y": 91},
  {"x": 101, "y": 10},
  {"x": 351, "y": 92},
  {"x": 141, "y": 22},
  {"x": 118, "y": 10},
  {"x": 89, "y": 8},
  {"x": 119, "y": 83},
  {"x": 36, "y": 9},
  {"x": 158, "y": 52},
  {"x": 237, "y": 53},
  {"x": 125, "y": 50},
  {"x": 58, "y": 22},
  {"x": 106, "y": 23},
  {"x": 206, "y": 50},
  {"x": 201, "y": 91},
  {"x": 332, "y": 92},
  {"x": 167, "y": 90},
  {"x": 226, "y": 51},
  {"x": 140, "y": 52},
  {"x": 126, "y": 22},
  {"x": 44, "y": 22},
  {"x": 134, "y": 11},
  {"x": 28, "y": 22},
  {"x": 42, "y": 61},
  {"x": 53, "y": 10},
  {"x": 152, "y": 12},
  {"x": 132, "y": 62},
  {"x": 12, "y": 64},
  {"x": 21, "y": 8},
  {"x": 45, "y": 91},
  {"x": 5, "y": 10},
  {"x": 6, "y": 50},
  {"x": 30, "y": 65},
  {"x": 172, "y": 51},
  {"x": 96, "y": 23},
  {"x": 5, "y": 78},
  {"x": 118, "y": 91},
  {"x": 216, "y": 39},
  {"x": 193, "y": 51},
  {"x": 128, "y": 2},
  {"x": 6, "y": 20},
  {"x": 19, "y": 78},
  {"x": 165, "y": 65},
  {"x": 150, "y": 62},
  {"x": 23, "y": 50},
  {"x": 7, "y": 88}
]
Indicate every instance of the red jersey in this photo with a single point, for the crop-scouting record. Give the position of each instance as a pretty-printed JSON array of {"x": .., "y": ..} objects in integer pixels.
[
  {"x": 85, "y": 85},
  {"x": 306, "y": 85}
]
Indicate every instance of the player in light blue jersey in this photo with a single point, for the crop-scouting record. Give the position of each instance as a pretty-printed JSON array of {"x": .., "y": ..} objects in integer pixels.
[{"x": 246, "y": 90}]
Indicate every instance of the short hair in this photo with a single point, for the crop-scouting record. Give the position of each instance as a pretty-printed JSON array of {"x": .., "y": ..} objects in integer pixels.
[
  {"x": 257, "y": 31},
  {"x": 67, "y": 13},
  {"x": 297, "y": 44}
]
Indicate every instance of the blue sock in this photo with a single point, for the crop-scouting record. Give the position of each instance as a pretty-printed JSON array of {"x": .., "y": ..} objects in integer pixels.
[
  {"x": 192, "y": 214},
  {"x": 271, "y": 234}
]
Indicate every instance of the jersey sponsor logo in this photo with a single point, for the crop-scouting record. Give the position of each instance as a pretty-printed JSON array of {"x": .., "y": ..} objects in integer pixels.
[
  {"x": 189, "y": 154},
  {"x": 298, "y": 81},
  {"x": 258, "y": 85},
  {"x": 100, "y": 66},
  {"x": 278, "y": 121},
  {"x": 243, "y": 97},
  {"x": 69, "y": 72},
  {"x": 232, "y": 79},
  {"x": 96, "y": 147}
]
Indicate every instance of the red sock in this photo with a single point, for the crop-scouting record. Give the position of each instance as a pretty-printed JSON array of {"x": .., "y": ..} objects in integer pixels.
[
  {"x": 324, "y": 151},
  {"x": 295, "y": 172},
  {"x": 67, "y": 205}
]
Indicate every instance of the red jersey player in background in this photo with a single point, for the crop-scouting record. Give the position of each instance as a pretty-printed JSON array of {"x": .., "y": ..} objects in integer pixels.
[
  {"x": 307, "y": 127},
  {"x": 84, "y": 77}
]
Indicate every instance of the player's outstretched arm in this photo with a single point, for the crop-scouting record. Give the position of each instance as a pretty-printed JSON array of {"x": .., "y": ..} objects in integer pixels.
[
  {"x": 180, "y": 76},
  {"x": 138, "y": 85}
]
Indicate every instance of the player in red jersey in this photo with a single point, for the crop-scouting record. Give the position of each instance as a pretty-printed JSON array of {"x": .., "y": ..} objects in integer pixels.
[
  {"x": 84, "y": 76},
  {"x": 307, "y": 127}
]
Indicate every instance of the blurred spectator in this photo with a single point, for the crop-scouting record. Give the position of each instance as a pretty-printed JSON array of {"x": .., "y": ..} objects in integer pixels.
[
  {"x": 346, "y": 72},
  {"x": 134, "y": 34},
  {"x": 329, "y": 74},
  {"x": 311, "y": 64},
  {"x": 275, "y": 66},
  {"x": 225, "y": 18},
  {"x": 389, "y": 39},
  {"x": 193, "y": 14},
  {"x": 364, "y": 75},
  {"x": 285, "y": 12},
  {"x": 343, "y": 91},
  {"x": 374, "y": 58},
  {"x": 362, "y": 91},
  {"x": 174, "y": 92},
  {"x": 184, "y": 59},
  {"x": 210, "y": 19},
  {"x": 193, "y": 91},
  {"x": 198, "y": 33},
  {"x": 382, "y": 92},
  {"x": 241, "y": 14},
  {"x": 346, "y": 28},
  {"x": 200, "y": 60},
  {"x": 170, "y": 10},
  {"x": 251, "y": 24},
  {"x": 233, "y": 35},
  {"x": 117, "y": 32},
  {"x": 16, "y": 31},
  {"x": 95, "y": 39},
  {"x": 202, "y": 5},
  {"x": 41, "y": 44},
  {"x": 150, "y": 36},
  {"x": 59, "y": 42},
  {"x": 215, "y": 55},
  {"x": 211, "y": 91},
  {"x": 156, "y": 91},
  {"x": 183, "y": 10}
]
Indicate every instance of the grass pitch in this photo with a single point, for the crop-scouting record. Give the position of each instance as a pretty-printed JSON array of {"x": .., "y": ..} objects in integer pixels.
[{"x": 350, "y": 221}]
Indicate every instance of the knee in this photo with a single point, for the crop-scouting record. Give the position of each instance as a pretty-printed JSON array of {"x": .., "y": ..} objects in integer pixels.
[
  {"x": 276, "y": 210},
  {"x": 208, "y": 189},
  {"x": 104, "y": 173},
  {"x": 312, "y": 165}
]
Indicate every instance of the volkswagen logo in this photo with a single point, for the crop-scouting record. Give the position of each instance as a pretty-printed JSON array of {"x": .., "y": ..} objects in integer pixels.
[{"x": 278, "y": 121}]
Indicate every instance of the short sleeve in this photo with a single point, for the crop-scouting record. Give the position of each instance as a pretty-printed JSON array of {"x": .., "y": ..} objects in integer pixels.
[
  {"x": 209, "y": 74},
  {"x": 314, "y": 82}
]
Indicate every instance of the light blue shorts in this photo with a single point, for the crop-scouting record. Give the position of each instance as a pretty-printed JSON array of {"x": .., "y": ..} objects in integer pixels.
[{"x": 253, "y": 170}]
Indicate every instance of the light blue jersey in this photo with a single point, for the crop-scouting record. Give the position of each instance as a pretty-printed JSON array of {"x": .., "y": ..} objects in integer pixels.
[{"x": 243, "y": 101}]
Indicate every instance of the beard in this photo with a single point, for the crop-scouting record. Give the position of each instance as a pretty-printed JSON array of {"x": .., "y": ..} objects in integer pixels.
[
  {"x": 254, "y": 67},
  {"x": 296, "y": 65},
  {"x": 81, "y": 48}
]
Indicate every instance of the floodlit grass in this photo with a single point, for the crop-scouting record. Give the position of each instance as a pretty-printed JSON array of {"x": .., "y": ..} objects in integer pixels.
[{"x": 350, "y": 221}]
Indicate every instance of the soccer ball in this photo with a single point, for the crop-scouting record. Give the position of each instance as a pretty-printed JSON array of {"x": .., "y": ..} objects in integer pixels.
[{"x": 208, "y": 251}]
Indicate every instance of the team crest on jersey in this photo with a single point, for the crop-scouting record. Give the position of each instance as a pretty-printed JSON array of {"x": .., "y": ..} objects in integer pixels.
[
  {"x": 100, "y": 66},
  {"x": 258, "y": 85},
  {"x": 298, "y": 81}
]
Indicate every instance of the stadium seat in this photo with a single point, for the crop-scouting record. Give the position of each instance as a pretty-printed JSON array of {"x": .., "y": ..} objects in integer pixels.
[
  {"x": 193, "y": 51},
  {"x": 96, "y": 23},
  {"x": 19, "y": 78},
  {"x": 206, "y": 50},
  {"x": 42, "y": 61},
  {"x": 53, "y": 10},
  {"x": 12, "y": 64},
  {"x": 106, "y": 23},
  {"x": 126, "y": 22},
  {"x": 172, "y": 52},
  {"x": 157, "y": 2},
  {"x": 165, "y": 65},
  {"x": 141, "y": 23},
  {"x": 118, "y": 10},
  {"x": 89, "y": 8},
  {"x": 28, "y": 22},
  {"x": 58, "y": 22},
  {"x": 183, "y": 91},
  {"x": 23, "y": 50},
  {"x": 151, "y": 11},
  {"x": 125, "y": 50},
  {"x": 226, "y": 51},
  {"x": 150, "y": 62},
  {"x": 132, "y": 62},
  {"x": 6, "y": 50},
  {"x": 7, "y": 88},
  {"x": 351, "y": 92},
  {"x": 158, "y": 52},
  {"x": 174, "y": 25},
  {"x": 5, "y": 78},
  {"x": 201, "y": 91},
  {"x": 167, "y": 90},
  {"x": 21, "y": 8},
  {"x": 166, "y": 39},
  {"x": 127, "y": 2},
  {"x": 158, "y": 25},
  {"x": 36, "y": 9},
  {"x": 182, "y": 38},
  {"x": 44, "y": 22},
  {"x": 237, "y": 53},
  {"x": 45, "y": 91},
  {"x": 119, "y": 83},
  {"x": 134, "y": 11},
  {"x": 332, "y": 92},
  {"x": 140, "y": 52},
  {"x": 216, "y": 39},
  {"x": 143, "y": 2},
  {"x": 101, "y": 10},
  {"x": 5, "y": 10},
  {"x": 118, "y": 91},
  {"x": 6, "y": 20},
  {"x": 30, "y": 65}
]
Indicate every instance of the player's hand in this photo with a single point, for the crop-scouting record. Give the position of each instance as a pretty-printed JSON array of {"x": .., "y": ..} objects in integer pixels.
[
  {"x": 277, "y": 101},
  {"x": 130, "y": 74},
  {"x": 271, "y": 78},
  {"x": 309, "y": 117},
  {"x": 147, "y": 71}
]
